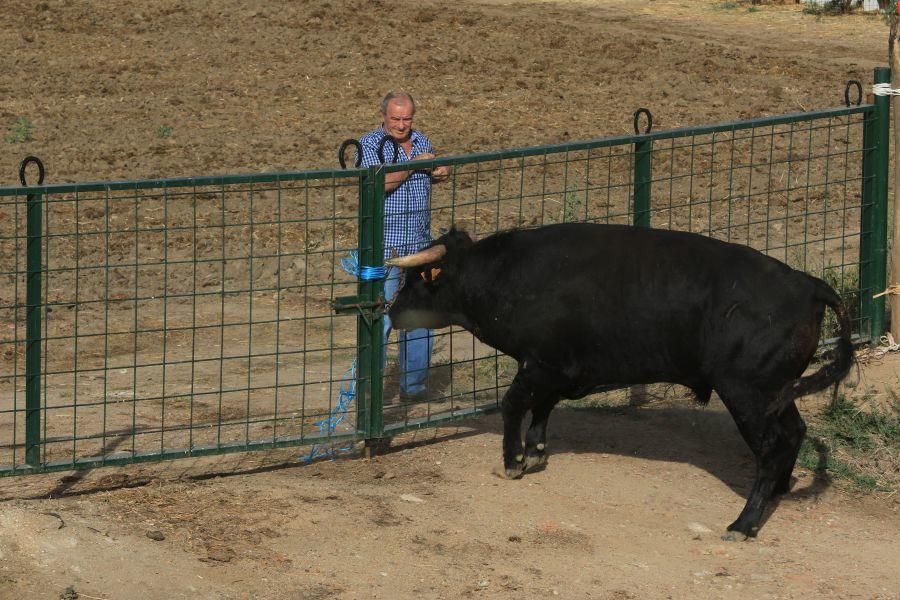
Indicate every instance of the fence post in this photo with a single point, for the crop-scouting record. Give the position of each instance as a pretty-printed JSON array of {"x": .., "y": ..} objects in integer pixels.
[
  {"x": 34, "y": 272},
  {"x": 370, "y": 387},
  {"x": 642, "y": 177},
  {"x": 637, "y": 394},
  {"x": 873, "y": 225}
]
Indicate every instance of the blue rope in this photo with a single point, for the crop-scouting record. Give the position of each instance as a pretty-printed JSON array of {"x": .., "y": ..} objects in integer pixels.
[
  {"x": 347, "y": 390},
  {"x": 346, "y": 394},
  {"x": 352, "y": 267}
]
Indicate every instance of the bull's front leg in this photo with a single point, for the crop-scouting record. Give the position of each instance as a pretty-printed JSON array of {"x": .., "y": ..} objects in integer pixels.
[
  {"x": 513, "y": 409},
  {"x": 536, "y": 436},
  {"x": 531, "y": 389}
]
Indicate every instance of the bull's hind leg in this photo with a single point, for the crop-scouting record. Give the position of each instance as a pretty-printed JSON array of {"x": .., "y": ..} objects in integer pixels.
[
  {"x": 774, "y": 441},
  {"x": 793, "y": 428}
]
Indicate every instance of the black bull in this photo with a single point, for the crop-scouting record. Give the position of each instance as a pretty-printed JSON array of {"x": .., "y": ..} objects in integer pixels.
[{"x": 583, "y": 307}]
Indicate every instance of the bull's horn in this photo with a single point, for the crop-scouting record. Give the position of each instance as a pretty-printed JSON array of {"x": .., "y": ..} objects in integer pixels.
[{"x": 428, "y": 255}]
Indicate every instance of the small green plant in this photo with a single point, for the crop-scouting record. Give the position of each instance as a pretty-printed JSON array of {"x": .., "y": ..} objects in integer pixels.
[
  {"x": 572, "y": 207},
  {"x": 845, "y": 281},
  {"x": 597, "y": 402},
  {"x": 163, "y": 131},
  {"x": 886, "y": 13},
  {"x": 857, "y": 442},
  {"x": 21, "y": 132},
  {"x": 69, "y": 594},
  {"x": 500, "y": 370},
  {"x": 829, "y": 8}
]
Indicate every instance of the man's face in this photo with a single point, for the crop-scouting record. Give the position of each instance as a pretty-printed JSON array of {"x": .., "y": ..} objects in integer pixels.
[{"x": 398, "y": 118}]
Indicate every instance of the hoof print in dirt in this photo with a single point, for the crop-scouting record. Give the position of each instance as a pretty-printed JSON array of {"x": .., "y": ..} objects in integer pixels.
[{"x": 223, "y": 555}]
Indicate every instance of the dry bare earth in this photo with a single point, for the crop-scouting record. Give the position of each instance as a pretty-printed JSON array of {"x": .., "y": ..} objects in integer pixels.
[
  {"x": 631, "y": 506},
  {"x": 261, "y": 86},
  {"x": 623, "y": 509}
]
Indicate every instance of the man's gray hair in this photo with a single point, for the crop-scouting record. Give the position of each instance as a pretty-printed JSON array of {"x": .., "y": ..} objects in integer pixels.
[{"x": 394, "y": 95}]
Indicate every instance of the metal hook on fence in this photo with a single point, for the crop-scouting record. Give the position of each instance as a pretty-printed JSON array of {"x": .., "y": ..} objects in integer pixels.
[
  {"x": 637, "y": 116},
  {"x": 381, "y": 144},
  {"x": 858, "y": 87},
  {"x": 359, "y": 152},
  {"x": 27, "y": 161}
]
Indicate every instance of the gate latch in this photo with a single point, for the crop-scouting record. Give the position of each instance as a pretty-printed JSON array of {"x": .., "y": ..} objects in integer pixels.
[{"x": 367, "y": 309}]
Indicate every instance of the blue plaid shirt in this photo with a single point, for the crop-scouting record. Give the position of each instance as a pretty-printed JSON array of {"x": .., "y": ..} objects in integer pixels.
[{"x": 407, "y": 216}]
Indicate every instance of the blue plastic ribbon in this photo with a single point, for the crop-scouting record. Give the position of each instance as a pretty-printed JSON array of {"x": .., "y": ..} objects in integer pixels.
[
  {"x": 352, "y": 267},
  {"x": 337, "y": 415}
]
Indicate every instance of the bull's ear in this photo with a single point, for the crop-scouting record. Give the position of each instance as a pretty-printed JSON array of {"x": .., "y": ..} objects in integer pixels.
[{"x": 456, "y": 239}]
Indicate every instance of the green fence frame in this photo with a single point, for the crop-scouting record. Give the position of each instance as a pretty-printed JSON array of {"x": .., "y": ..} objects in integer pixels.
[
  {"x": 29, "y": 422},
  {"x": 781, "y": 160}
]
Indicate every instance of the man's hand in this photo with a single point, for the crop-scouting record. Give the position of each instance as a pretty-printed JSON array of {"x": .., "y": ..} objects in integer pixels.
[
  {"x": 425, "y": 156},
  {"x": 438, "y": 174}
]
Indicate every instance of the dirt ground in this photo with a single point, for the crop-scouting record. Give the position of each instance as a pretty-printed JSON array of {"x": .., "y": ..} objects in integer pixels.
[
  {"x": 632, "y": 505},
  {"x": 633, "y": 501}
]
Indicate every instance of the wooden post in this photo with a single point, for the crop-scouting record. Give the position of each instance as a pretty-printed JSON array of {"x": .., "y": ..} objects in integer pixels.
[{"x": 894, "y": 277}]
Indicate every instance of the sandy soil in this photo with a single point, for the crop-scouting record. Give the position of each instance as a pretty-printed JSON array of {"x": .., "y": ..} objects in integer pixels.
[
  {"x": 633, "y": 501},
  {"x": 261, "y": 86},
  {"x": 632, "y": 505}
]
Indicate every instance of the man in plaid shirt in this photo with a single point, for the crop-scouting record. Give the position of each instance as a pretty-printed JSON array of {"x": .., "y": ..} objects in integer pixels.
[{"x": 407, "y": 221}]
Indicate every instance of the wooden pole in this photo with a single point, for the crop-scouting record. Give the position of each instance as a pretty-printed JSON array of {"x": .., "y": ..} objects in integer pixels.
[{"x": 894, "y": 278}]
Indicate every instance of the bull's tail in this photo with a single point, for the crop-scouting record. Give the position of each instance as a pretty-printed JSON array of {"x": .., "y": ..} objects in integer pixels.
[{"x": 830, "y": 373}]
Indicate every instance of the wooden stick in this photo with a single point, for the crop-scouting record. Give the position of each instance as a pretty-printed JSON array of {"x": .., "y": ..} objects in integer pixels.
[{"x": 894, "y": 58}]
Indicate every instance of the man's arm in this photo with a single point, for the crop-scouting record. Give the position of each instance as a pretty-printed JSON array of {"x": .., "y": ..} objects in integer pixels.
[
  {"x": 394, "y": 180},
  {"x": 391, "y": 180}
]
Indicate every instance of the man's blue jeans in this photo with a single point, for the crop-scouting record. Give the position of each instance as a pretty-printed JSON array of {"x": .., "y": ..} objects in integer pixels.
[{"x": 415, "y": 345}]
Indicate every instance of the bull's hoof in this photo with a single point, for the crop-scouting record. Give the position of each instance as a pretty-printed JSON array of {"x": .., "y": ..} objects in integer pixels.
[
  {"x": 504, "y": 472},
  {"x": 535, "y": 462},
  {"x": 733, "y": 536},
  {"x": 737, "y": 532}
]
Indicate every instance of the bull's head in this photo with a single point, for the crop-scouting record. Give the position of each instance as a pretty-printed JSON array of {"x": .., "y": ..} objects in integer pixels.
[{"x": 427, "y": 298}]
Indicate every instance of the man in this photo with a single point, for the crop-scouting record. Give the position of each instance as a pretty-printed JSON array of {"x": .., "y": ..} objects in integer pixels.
[{"x": 407, "y": 222}]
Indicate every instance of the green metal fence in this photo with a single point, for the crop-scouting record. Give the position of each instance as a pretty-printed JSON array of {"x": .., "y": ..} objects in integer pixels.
[
  {"x": 147, "y": 320},
  {"x": 172, "y": 318}
]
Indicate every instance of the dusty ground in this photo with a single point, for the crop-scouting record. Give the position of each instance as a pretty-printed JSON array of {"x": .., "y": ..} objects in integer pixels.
[
  {"x": 168, "y": 89},
  {"x": 632, "y": 505},
  {"x": 262, "y": 86}
]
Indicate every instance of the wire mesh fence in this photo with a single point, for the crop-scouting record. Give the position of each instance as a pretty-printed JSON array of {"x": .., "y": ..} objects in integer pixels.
[
  {"x": 179, "y": 317},
  {"x": 157, "y": 319}
]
